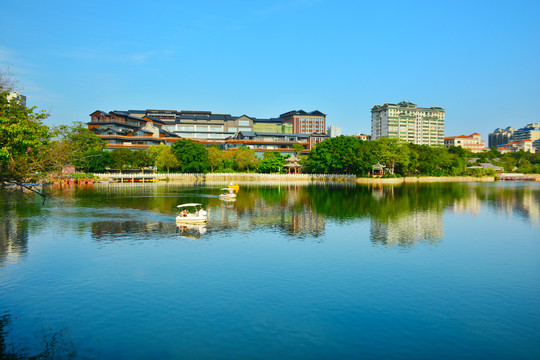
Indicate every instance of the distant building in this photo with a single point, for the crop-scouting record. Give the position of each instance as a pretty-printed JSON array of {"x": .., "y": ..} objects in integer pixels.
[
  {"x": 305, "y": 122},
  {"x": 408, "y": 122},
  {"x": 536, "y": 145},
  {"x": 500, "y": 137},
  {"x": 143, "y": 128},
  {"x": 333, "y": 131},
  {"x": 504, "y": 150},
  {"x": 524, "y": 145},
  {"x": 363, "y": 137},
  {"x": 530, "y": 132},
  {"x": 471, "y": 142},
  {"x": 21, "y": 99}
]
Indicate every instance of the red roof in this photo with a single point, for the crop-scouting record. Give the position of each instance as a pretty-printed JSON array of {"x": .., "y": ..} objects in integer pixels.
[
  {"x": 474, "y": 134},
  {"x": 457, "y": 137}
]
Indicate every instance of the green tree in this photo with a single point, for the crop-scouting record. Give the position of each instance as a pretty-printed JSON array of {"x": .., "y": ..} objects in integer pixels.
[
  {"x": 298, "y": 148},
  {"x": 141, "y": 159},
  {"x": 98, "y": 160},
  {"x": 193, "y": 157},
  {"x": 245, "y": 159},
  {"x": 153, "y": 152},
  {"x": 272, "y": 162},
  {"x": 215, "y": 157},
  {"x": 166, "y": 159},
  {"x": 76, "y": 145},
  {"x": 122, "y": 158},
  {"x": 392, "y": 152},
  {"x": 22, "y": 136},
  {"x": 336, "y": 155}
]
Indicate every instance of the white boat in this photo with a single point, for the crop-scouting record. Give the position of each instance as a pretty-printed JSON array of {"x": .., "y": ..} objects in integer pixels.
[
  {"x": 192, "y": 213},
  {"x": 228, "y": 194}
]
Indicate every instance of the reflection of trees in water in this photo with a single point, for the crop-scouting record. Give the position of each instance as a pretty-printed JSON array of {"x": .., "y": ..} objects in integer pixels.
[
  {"x": 293, "y": 209},
  {"x": 52, "y": 344}
]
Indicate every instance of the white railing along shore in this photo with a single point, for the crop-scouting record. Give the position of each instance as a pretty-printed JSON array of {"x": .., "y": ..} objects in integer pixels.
[{"x": 226, "y": 177}]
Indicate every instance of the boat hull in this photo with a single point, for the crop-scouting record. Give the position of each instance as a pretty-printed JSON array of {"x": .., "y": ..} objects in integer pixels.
[{"x": 191, "y": 219}]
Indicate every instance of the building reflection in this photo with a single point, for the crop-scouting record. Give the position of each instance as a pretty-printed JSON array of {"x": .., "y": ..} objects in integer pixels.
[
  {"x": 417, "y": 226},
  {"x": 523, "y": 202},
  {"x": 13, "y": 237}
]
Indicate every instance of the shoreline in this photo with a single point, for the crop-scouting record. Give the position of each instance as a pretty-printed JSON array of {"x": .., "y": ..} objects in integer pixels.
[
  {"x": 279, "y": 178},
  {"x": 425, "y": 179}
]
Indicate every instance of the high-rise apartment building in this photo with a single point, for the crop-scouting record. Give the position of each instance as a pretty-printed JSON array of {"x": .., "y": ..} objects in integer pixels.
[
  {"x": 530, "y": 132},
  {"x": 333, "y": 131},
  {"x": 406, "y": 121},
  {"x": 500, "y": 137}
]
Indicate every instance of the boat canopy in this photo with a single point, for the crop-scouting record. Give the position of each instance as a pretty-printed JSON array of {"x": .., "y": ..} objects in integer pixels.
[{"x": 189, "y": 204}]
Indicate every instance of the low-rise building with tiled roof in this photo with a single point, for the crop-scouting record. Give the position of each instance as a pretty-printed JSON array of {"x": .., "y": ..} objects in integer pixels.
[
  {"x": 472, "y": 142},
  {"x": 143, "y": 128},
  {"x": 524, "y": 145}
]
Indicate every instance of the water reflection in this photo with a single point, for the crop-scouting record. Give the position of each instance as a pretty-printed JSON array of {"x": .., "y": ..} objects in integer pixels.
[
  {"x": 399, "y": 215},
  {"x": 14, "y": 210},
  {"x": 520, "y": 200},
  {"x": 424, "y": 226}
]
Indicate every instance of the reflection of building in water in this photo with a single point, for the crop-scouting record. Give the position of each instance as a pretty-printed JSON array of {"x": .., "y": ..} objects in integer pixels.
[
  {"x": 531, "y": 205},
  {"x": 471, "y": 203},
  {"x": 425, "y": 226},
  {"x": 109, "y": 230},
  {"x": 521, "y": 202},
  {"x": 13, "y": 237},
  {"x": 308, "y": 222},
  {"x": 525, "y": 204},
  {"x": 286, "y": 210}
]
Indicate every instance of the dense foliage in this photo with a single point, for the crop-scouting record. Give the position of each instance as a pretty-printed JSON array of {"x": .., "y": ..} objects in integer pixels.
[
  {"x": 348, "y": 155},
  {"x": 23, "y": 137}
]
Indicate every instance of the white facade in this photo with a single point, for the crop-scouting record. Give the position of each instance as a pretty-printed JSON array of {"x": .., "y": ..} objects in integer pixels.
[
  {"x": 333, "y": 131},
  {"x": 19, "y": 97},
  {"x": 423, "y": 126}
]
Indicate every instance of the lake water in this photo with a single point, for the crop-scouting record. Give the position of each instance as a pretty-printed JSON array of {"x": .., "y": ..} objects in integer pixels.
[{"x": 435, "y": 271}]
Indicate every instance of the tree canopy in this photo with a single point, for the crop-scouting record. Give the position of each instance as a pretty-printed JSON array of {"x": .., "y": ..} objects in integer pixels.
[
  {"x": 22, "y": 138},
  {"x": 193, "y": 157}
]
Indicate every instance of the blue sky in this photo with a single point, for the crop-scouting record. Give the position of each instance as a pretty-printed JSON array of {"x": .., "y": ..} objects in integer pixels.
[{"x": 480, "y": 60}]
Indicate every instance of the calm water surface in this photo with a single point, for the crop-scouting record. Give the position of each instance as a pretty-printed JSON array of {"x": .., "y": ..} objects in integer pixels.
[{"x": 438, "y": 271}]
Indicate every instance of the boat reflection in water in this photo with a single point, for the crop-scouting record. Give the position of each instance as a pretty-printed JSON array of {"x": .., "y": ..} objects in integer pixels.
[{"x": 190, "y": 231}]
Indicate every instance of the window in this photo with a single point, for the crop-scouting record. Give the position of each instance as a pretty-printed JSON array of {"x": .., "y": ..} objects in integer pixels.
[
  {"x": 244, "y": 129},
  {"x": 243, "y": 123},
  {"x": 232, "y": 129}
]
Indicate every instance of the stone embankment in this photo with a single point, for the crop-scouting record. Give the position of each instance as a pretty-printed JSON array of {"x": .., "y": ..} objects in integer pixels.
[
  {"x": 424, "y": 179},
  {"x": 217, "y": 178},
  {"x": 226, "y": 177}
]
